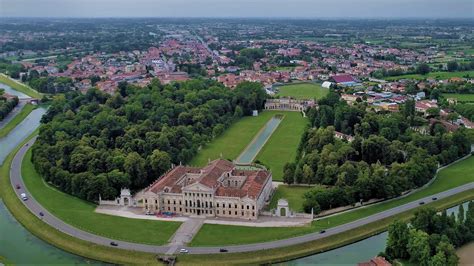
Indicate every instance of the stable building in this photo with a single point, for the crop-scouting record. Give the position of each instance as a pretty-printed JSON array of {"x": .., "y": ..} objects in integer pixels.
[{"x": 220, "y": 189}]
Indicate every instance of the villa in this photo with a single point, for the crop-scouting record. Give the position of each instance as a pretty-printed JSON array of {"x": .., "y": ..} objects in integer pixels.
[{"x": 219, "y": 189}]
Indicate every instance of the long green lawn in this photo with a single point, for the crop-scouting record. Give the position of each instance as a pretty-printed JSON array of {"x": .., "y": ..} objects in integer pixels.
[
  {"x": 302, "y": 91},
  {"x": 436, "y": 75},
  {"x": 460, "y": 97},
  {"x": 294, "y": 195},
  {"x": 16, "y": 120},
  {"x": 81, "y": 214},
  {"x": 234, "y": 139},
  {"x": 217, "y": 235},
  {"x": 282, "y": 146},
  {"x": 19, "y": 87}
]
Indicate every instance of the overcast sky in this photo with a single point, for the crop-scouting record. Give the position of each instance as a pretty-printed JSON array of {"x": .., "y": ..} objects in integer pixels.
[{"x": 239, "y": 8}]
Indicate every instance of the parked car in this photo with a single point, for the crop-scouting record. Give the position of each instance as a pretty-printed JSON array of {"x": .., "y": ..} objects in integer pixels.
[
  {"x": 18, "y": 186},
  {"x": 41, "y": 214},
  {"x": 421, "y": 202},
  {"x": 149, "y": 213},
  {"x": 113, "y": 244},
  {"x": 184, "y": 251},
  {"x": 23, "y": 196},
  {"x": 322, "y": 231},
  {"x": 223, "y": 250}
]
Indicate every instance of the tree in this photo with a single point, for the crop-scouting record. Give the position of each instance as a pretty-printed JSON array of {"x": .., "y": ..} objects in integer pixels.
[
  {"x": 418, "y": 246},
  {"x": 289, "y": 173},
  {"x": 397, "y": 242},
  {"x": 423, "y": 69},
  {"x": 452, "y": 66},
  {"x": 159, "y": 162}
]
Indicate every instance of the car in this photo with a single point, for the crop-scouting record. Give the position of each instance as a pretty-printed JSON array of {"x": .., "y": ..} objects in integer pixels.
[
  {"x": 434, "y": 198},
  {"x": 23, "y": 196},
  {"x": 184, "y": 251},
  {"x": 149, "y": 213},
  {"x": 223, "y": 250},
  {"x": 41, "y": 214},
  {"x": 421, "y": 202},
  {"x": 322, "y": 231},
  {"x": 113, "y": 244},
  {"x": 18, "y": 186}
]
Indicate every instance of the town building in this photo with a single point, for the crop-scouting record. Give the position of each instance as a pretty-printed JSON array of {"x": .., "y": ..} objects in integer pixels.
[{"x": 220, "y": 189}]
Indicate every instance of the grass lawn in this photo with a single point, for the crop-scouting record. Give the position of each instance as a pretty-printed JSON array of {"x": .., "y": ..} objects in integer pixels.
[
  {"x": 460, "y": 97},
  {"x": 302, "y": 91},
  {"x": 20, "y": 87},
  {"x": 81, "y": 214},
  {"x": 234, "y": 139},
  {"x": 282, "y": 145},
  {"x": 294, "y": 195},
  {"x": 216, "y": 235},
  {"x": 17, "y": 119},
  {"x": 436, "y": 75}
]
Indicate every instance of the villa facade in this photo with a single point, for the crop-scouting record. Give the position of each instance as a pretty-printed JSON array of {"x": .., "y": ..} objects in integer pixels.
[
  {"x": 219, "y": 189},
  {"x": 286, "y": 104}
]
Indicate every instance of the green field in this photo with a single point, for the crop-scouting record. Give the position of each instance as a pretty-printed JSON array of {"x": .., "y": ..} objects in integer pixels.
[
  {"x": 436, "y": 75},
  {"x": 19, "y": 87},
  {"x": 216, "y": 235},
  {"x": 460, "y": 97},
  {"x": 294, "y": 195},
  {"x": 282, "y": 146},
  {"x": 81, "y": 214},
  {"x": 16, "y": 120},
  {"x": 234, "y": 139},
  {"x": 302, "y": 91}
]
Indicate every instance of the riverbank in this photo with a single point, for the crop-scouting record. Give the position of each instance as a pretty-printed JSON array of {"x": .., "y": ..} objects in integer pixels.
[
  {"x": 16, "y": 85},
  {"x": 466, "y": 254},
  {"x": 25, "y": 111}
]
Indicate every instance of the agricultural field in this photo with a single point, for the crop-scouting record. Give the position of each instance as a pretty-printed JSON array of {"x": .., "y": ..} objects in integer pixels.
[
  {"x": 460, "y": 97},
  {"x": 302, "y": 91},
  {"x": 435, "y": 75}
]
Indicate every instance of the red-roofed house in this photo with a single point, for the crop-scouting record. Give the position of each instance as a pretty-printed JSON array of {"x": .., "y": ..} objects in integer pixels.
[
  {"x": 377, "y": 261},
  {"x": 343, "y": 79},
  {"x": 219, "y": 189}
]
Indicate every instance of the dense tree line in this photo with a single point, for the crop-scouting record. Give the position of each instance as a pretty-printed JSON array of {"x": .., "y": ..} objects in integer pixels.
[
  {"x": 96, "y": 143},
  {"x": 384, "y": 159},
  {"x": 6, "y": 105},
  {"x": 431, "y": 238}
]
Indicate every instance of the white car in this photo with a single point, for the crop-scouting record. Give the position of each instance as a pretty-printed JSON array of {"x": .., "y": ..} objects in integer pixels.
[
  {"x": 183, "y": 250},
  {"x": 23, "y": 196}
]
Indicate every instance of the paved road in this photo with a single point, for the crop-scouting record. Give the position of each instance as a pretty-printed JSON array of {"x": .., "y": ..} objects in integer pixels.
[{"x": 35, "y": 208}]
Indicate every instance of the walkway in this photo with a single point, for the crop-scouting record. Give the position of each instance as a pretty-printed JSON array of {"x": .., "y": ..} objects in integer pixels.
[
  {"x": 185, "y": 234},
  {"x": 35, "y": 208}
]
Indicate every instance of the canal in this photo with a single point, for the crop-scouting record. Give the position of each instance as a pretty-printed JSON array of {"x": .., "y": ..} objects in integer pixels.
[
  {"x": 251, "y": 151},
  {"x": 11, "y": 91},
  {"x": 354, "y": 253}
]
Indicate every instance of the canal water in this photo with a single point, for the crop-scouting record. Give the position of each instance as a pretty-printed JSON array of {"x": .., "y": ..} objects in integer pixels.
[
  {"x": 20, "y": 132},
  {"x": 354, "y": 253},
  {"x": 247, "y": 156},
  {"x": 11, "y": 91},
  {"x": 19, "y": 246}
]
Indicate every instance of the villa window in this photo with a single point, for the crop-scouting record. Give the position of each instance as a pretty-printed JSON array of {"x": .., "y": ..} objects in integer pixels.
[
  {"x": 146, "y": 201},
  {"x": 174, "y": 202},
  {"x": 179, "y": 202},
  {"x": 236, "y": 206},
  {"x": 180, "y": 210},
  {"x": 253, "y": 213},
  {"x": 248, "y": 207},
  {"x": 156, "y": 201},
  {"x": 168, "y": 201},
  {"x": 230, "y": 213},
  {"x": 169, "y": 209},
  {"x": 235, "y": 212},
  {"x": 242, "y": 213},
  {"x": 253, "y": 207},
  {"x": 242, "y": 207},
  {"x": 211, "y": 212},
  {"x": 210, "y": 203},
  {"x": 230, "y": 206},
  {"x": 217, "y": 211},
  {"x": 218, "y": 205}
]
